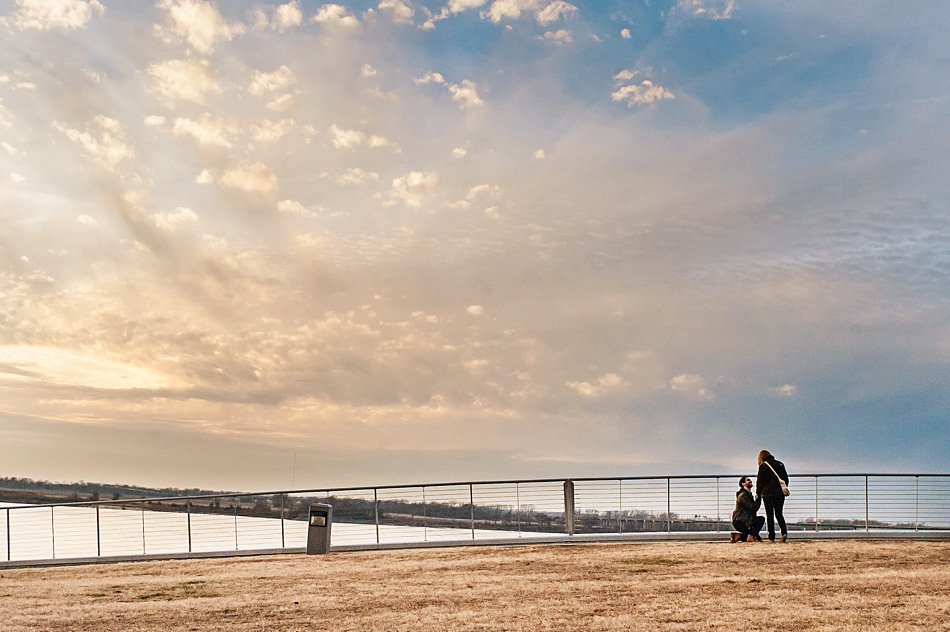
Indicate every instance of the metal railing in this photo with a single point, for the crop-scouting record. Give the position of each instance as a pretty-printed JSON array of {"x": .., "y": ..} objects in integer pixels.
[{"x": 453, "y": 512}]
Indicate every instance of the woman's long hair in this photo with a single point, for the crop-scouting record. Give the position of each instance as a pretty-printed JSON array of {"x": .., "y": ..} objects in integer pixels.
[{"x": 764, "y": 456}]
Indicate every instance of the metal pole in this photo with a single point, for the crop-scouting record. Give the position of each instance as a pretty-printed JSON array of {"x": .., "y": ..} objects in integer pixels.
[
  {"x": 517, "y": 500},
  {"x": 376, "y": 512},
  {"x": 620, "y": 509},
  {"x": 669, "y": 515},
  {"x": 52, "y": 525},
  {"x": 283, "y": 543},
  {"x": 143, "y": 527},
  {"x": 425, "y": 519},
  {"x": 916, "y": 502},
  {"x": 867, "y": 511},
  {"x": 569, "y": 506},
  {"x": 816, "y": 504},
  {"x": 718, "y": 518},
  {"x": 98, "y": 538},
  {"x": 188, "y": 509},
  {"x": 235, "y": 526},
  {"x": 8, "y": 534},
  {"x": 471, "y": 500}
]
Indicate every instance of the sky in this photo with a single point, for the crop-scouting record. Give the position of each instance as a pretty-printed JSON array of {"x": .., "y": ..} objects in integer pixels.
[{"x": 256, "y": 246}]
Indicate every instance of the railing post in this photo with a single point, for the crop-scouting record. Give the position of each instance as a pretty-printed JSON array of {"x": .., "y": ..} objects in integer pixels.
[
  {"x": 518, "y": 503},
  {"x": 816, "y": 504},
  {"x": 188, "y": 510},
  {"x": 916, "y": 502},
  {"x": 718, "y": 515},
  {"x": 282, "y": 539},
  {"x": 52, "y": 525},
  {"x": 143, "y": 527},
  {"x": 669, "y": 514},
  {"x": 98, "y": 536},
  {"x": 235, "y": 525},
  {"x": 376, "y": 512},
  {"x": 425, "y": 518},
  {"x": 620, "y": 508},
  {"x": 867, "y": 509},
  {"x": 8, "y": 534},
  {"x": 569, "y": 506},
  {"x": 471, "y": 505}
]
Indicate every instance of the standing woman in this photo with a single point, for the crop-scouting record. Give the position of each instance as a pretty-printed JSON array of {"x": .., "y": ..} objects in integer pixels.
[{"x": 768, "y": 485}]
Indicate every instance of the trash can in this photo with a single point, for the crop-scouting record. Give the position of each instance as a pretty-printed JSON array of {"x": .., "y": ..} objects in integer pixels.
[{"x": 318, "y": 528}]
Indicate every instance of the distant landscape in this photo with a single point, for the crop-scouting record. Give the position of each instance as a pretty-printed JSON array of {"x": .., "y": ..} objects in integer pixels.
[{"x": 28, "y": 490}]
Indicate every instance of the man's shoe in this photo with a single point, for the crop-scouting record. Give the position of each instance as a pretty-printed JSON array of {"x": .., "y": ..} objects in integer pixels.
[
  {"x": 784, "y": 538},
  {"x": 735, "y": 537},
  {"x": 758, "y": 538}
]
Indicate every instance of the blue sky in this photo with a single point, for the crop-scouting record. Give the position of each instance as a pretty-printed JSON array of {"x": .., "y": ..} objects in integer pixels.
[{"x": 398, "y": 241}]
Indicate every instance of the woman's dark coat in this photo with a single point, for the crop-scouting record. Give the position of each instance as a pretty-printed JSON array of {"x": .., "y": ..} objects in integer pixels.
[{"x": 766, "y": 484}]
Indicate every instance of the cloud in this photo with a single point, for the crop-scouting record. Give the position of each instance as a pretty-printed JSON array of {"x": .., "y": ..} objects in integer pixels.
[
  {"x": 539, "y": 155},
  {"x": 704, "y": 8},
  {"x": 171, "y": 220},
  {"x": 184, "y": 79},
  {"x": 105, "y": 141},
  {"x": 356, "y": 175},
  {"x": 429, "y": 77},
  {"x": 690, "y": 385},
  {"x": 287, "y": 16},
  {"x": 399, "y": 11},
  {"x": 268, "y": 82},
  {"x": 45, "y": 15},
  {"x": 475, "y": 310},
  {"x": 367, "y": 71},
  {"x": 415, "y": 186},
  {"x": 197, "y": 24},
  {"x": 256, "y": 178},
  {"x": 501, "y": 9},
  {"x": 207, "y": 131},
  {"x": 560, "y": 37},
  {"x": 644, "y": 93},
  {"x": 625, "y": 33},
  {"x": 786, "y": 390},
  {"x": 554, "y": 12},
  {"x": 336, "y": 15},
  {"x": 154, "y": 120},
  {"x": 86, "y": 220},
  {"x": 293, "y": 207},
  {"x": 268, "y": 131},
  {"x": 466, "y": 93},
  {"x": 351, "y": 139},
  {"x": 603, "y": 385},
  {"x": 459, "y": 152}
]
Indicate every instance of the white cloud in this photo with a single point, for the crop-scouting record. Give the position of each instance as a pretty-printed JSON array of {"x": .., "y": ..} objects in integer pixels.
[
  {"x": 415, "y": 186},
  {"x": 559, "y": 37},
  {"x": 603, "y": 385},
  {"x": 554, "y": 12},
  {"x": 786, "y": 390},
  {"x": 256, "y": 177},
  {"x": 459, "y": 152},
  {"x": 351, "y": 138},
  {"x": 281, "y": 104},
  {"x": 293, "y": 207},
  {"x": 644, "y": 93},
  {"x": 485, "y": 190},
  {"x": 625, "y": 33},
  {"x": 626, "y": 75},
  {"x": 154, "y": 120},
  {"x": 429, "y": 77},
  {"x": 173, "y": 219},
  {"x": 184, "y": 79},
  {"x": 287, "y": 16},
  {"x": 268, "y": 82},
  {"x": 45, "y": 15},
  {"x": 86, "y": 220},
  {"x": 710, "y": 9},
  {"x": 207, "y": 130},
  {"x": 196, "y": 23},
  {"x": 268, "y": 131},
  {"x": 457, "y": 6},
  {"x": 475, "y": 310},
  {"x": 335, "y": 15},
  {"x": 10, "y": 149},
  {"x": 205, "y": 177},
  {"x": 357, "y": 176},
  {"x": 367, "y": 71},
  {"x": 539, "y": 155},
  {"x": 400, "y": 12},
  {"x": 690, "y": 385},
  {"x": 466, "y": 93},
  {"x": 501, "y": 9},
  {"x": 105, "y": 142}
]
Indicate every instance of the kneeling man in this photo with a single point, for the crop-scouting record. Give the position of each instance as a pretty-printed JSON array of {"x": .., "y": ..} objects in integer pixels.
[{"x": 744, "y": 518}]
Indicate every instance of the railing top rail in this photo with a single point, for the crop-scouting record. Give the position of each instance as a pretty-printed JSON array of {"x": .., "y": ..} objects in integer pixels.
[{"x": 587, "y": 479}]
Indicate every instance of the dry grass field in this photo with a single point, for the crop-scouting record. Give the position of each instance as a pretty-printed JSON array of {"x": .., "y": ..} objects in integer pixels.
[{"x": 670, "y": 586}]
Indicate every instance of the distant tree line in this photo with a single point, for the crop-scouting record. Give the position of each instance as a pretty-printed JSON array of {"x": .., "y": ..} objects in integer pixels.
[{"x": 27, "y": 490}]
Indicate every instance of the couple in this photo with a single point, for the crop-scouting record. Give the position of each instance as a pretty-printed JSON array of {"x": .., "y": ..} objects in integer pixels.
[{"x": 771, "y": 486}]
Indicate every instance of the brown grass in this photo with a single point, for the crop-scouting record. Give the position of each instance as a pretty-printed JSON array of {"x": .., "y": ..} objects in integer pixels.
[{"x": 670, "y": 586}]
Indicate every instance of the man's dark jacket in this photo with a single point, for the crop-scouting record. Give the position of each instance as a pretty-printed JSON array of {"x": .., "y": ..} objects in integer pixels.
[
  {"x": 746, "y": 507},
  {"x": 766, "y": 484}
]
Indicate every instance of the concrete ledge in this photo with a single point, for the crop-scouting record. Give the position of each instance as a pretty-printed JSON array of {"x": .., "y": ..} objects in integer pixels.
[{"x": 676, "y": 536}]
